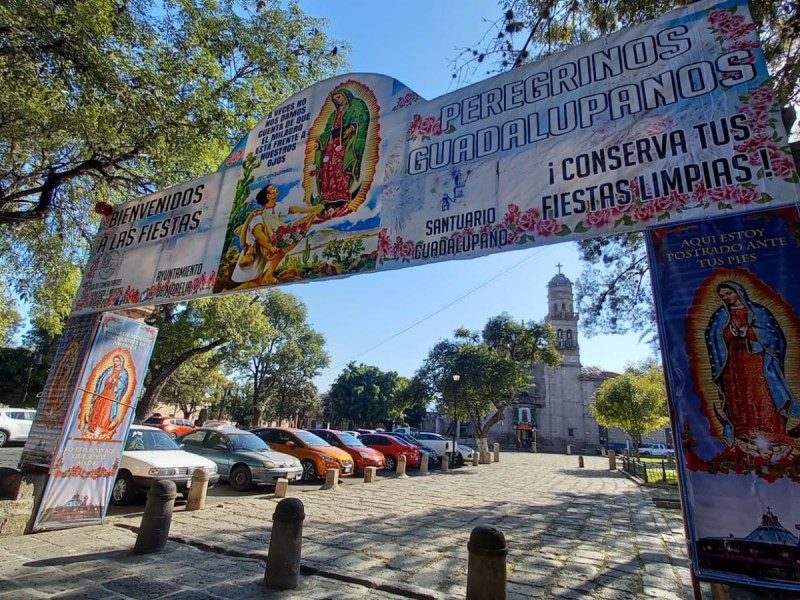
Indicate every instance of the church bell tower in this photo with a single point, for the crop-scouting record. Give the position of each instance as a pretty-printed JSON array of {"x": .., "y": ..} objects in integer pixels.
[{"x": 562, "y": 317}]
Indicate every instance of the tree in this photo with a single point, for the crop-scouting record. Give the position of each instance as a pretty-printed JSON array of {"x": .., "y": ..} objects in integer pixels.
[
  {"x": 283, "y": 359},
  {"x": 10, "y": 319},
  {"x": 366, "y": 396},
  {"x": 494, "y": 368},
  {"x": 614, "y": 287},
  {"x": 636, "y": 402},
  {"x": 107, "y": 100},
  {"x": 187, "y": 330}
]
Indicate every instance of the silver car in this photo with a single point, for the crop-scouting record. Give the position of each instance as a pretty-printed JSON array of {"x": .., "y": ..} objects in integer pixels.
[{"x": 243, "y": 458}]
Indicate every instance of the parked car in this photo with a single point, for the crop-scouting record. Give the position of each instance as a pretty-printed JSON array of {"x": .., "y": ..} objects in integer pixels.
[
  {"x": 407, "y": 430},
  {"x": 433, "y": 456},
  {"x": 150, "y": 455},
  {"x": 315, "y": 454},
  {"x": 243, "y": 458},
  {"x": 15, "y": 424},
  {"x": 463, "y": 454},
  {"x": 362, "y": 455},
  {"x": 392, "y": 448},
  {"x": 657, "y": 450},
  {"x": 438, "y": 442},
  {"x": 173, "y": 427}
]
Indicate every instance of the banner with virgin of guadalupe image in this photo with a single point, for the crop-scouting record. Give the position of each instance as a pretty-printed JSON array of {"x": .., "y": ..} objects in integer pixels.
[
  {"x": 84, "y": 467},
  {"x": 728, "y": 304},
  {"x": 670, "y": 120}
]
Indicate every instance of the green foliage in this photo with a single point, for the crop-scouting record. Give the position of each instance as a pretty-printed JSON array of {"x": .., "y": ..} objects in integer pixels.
[
  {"x": 106, "y": 100},
  {"x": 281, "y": 358},
  {"x": 366, "y": 396},
  {"x": 19, "y": 372},
  {"x": 636, "y": 402},
  {"x": 493, "y": 368},
  {"x": 10, "y": 319},
  {"x": 343, "y": 252}
]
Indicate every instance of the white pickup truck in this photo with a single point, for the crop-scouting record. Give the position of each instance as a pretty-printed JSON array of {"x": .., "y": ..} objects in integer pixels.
[
  {"x": 656, "y": 450},
  {"x": 443, "y": 446}
]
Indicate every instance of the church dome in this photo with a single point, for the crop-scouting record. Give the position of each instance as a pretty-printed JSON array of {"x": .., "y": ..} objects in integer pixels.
[{"x": 560, "y": 280}]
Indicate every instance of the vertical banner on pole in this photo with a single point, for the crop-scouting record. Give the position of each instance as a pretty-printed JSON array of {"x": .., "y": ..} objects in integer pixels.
[
  {"x": 59, "y": 390},
  {"x": 85, "y": 463},
  {"x": 728, "y": 299}
]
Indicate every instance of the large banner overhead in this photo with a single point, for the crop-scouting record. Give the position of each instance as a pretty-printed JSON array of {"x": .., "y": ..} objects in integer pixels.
[
  {"x": 671, "y": 120},
  {"x": 728, "y": 300}
]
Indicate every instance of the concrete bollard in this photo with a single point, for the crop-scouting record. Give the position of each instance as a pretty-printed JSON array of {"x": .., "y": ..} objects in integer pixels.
[
  {"x": 423, "y": 465},
  {"x": 445, "y": 463},
  {"x": 285, "y": 545},
  {"x": 485, "y": 460},
  {"x": 476, "y": 459},
  {"x": 612, "y": 460},
  {"x": 157, "y": 517},
  {"x": 369, "y": 474},
  {"x": 496, "y": 452},
  {"x": 331, "y": 479},
  {"x": 401, "y": 466},
  {"x": 604, "y": 451},
  {"x": 198, "y": 490},
  {"x": 580, "y": 462},
  {"x": 281, "y": 488},
  {"x": 569, "y": 448},
  {"x": 486, "y": 566}
]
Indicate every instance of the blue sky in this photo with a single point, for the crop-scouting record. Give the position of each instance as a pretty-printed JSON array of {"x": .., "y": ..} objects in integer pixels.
[{"x": 391, "y": 320}]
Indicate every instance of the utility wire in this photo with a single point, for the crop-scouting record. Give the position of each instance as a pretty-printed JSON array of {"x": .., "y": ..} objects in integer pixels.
[{"x": 435, "y": 312}]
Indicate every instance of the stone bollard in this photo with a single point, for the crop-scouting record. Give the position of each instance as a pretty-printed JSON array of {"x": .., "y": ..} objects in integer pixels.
[
  {"x": 198, "y": 490},
  {"x": 569, "y": 448},
  {"x": 580, "y": 462},
  {"x": 612, "y": 460},
  {"x": 401, "y": 466},
  {"x": 331, "y": 479},
  {"x": 423, "y": 465},
  {"x": 476, "y": 459},
  {"x": 281, "y": 488},
  {"x": 285, "y": 545},
  {"x": 604, "y": 451},
  {"x": 496, "y": 452},
  {"x": 485, "y": 458},
  {"x": 486, "y": 566},
  {"x": 157, "y": 517},
  {"x": 446, "y": 463},
  {"x": 369, "y": 474}
]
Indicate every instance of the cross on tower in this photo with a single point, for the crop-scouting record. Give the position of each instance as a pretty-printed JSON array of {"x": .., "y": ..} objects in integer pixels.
[{"x": 559, "y": 265}]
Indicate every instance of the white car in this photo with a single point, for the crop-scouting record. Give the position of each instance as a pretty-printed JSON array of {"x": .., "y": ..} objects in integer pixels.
[
  {"x": 15, "y": 424},
  {"x": 442, "y": 446},
  {"x": 150, "y": 455}
]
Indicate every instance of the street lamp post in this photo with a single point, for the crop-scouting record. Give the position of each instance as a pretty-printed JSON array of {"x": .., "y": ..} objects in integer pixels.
[
  {"x": 35, "y": 360},
  {"x": 456, "y": 380}
]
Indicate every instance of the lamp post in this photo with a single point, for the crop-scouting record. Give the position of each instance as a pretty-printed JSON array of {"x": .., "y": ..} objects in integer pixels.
[
  {"x": 456, "y": 381},
  {"x": 36, "y": 359}
]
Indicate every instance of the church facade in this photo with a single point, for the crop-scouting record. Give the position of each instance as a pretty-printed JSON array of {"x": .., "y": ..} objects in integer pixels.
[{"x": 555, "y": 412}]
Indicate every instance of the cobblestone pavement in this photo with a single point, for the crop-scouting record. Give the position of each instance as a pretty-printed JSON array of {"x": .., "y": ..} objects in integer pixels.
[{"x": 571, "y": 533}]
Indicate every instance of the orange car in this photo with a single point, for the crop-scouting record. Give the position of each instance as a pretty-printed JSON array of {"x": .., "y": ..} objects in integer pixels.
[
  {"x": 172, "y": 426},
  {"x": 315, "y": 454}
]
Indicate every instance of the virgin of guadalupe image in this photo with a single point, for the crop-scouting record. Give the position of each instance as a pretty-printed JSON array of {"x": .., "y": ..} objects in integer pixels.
[
  {"x": 747, "y": 351},
  {"x": 342, "y": 152},
  {"x": 104, "y": 407}
]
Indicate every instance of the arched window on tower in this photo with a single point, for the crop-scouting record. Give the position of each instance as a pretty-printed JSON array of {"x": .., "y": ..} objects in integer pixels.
[
  {"x": 560, "y": 337},
  {"x": 569, "y": 338}
]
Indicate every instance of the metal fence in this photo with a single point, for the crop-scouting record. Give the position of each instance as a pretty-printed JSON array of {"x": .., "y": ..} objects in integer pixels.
[{"x": 651, "y": 472}]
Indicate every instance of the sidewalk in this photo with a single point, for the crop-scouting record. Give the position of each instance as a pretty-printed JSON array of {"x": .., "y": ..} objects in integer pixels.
[{"x": 570, "y": 532}]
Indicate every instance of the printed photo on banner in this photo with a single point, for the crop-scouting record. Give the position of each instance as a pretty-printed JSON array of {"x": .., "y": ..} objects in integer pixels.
[
  {"x": 293, "y": 223},
  {"x": 728, "y": 305}
]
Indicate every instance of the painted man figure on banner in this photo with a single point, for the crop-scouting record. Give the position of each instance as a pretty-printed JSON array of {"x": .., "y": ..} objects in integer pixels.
[
  {"x": 104, "y": 407},
  {"x": 747, "y": 351}
]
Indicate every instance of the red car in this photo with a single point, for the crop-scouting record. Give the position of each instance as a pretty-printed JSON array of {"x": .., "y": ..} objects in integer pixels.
[
  {"x": 392, "y": 448},
  {"x": 362, "y": 455},
  {"x": 172, "y": 426}
]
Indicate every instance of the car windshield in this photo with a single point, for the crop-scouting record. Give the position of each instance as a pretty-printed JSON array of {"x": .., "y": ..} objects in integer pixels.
[
  {"x": 247, "y": 441},
  {"x": 310, "y": 439},
  {"x": 350, "y": 441},
  {"x": 141, "y": 439}
]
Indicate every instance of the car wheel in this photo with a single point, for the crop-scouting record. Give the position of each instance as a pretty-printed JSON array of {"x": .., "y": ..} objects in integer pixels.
[
  {"x": 173, "y": 435},
  {"x": 646, "y": 454},
  {"x": 309, "y": 470},
  {"x": 458, "y": 460},
  {"x": 241, "y": 479},
  {"x": 123, "y": 492},
  {"x": 391, "y": 463},
  {"x": 3, "y": 438}
]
